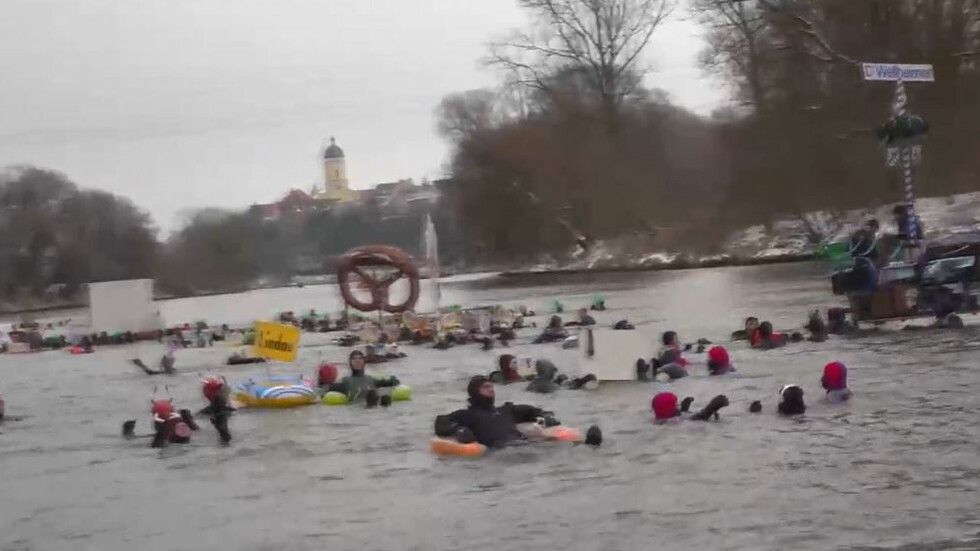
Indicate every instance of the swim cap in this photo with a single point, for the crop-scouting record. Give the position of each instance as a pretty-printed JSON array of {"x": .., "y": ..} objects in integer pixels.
[
  {"x": 664, "y": 405},
  {"x": 719, "y": 355},
  {"x": 162, "y": 408},
  {"x": 211, "y": 388},
  {"x": 326, "y": 374},
  {"x": 834, "y": 376}
]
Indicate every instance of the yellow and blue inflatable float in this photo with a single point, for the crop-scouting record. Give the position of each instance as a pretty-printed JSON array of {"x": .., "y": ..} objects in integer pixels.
[{"x": 276, "y": 392}]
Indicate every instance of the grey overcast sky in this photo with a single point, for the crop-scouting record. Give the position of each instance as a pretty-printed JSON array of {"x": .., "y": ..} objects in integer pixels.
[{"x": 179, "y": 104}]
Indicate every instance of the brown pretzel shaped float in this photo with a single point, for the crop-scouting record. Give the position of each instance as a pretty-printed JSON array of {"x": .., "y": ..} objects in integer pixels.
[{"x": 356, "y": 260}]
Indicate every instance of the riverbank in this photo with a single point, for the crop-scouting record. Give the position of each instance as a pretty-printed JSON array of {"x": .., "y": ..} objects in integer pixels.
[{"x": 679, "y": 264}]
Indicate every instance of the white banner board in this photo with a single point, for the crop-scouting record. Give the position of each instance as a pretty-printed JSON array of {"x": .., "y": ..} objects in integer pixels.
[
  {"x": 891, "y": 72},
  {"x": 611, "y": 355},
  {"x": 117, "y": 306}
]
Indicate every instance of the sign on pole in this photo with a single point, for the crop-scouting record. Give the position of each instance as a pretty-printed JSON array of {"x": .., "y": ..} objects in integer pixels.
[
  {"x": 893, "y": 155},
  {"x": 893, "y": 72},
  {"x": 276, "y": 341}
]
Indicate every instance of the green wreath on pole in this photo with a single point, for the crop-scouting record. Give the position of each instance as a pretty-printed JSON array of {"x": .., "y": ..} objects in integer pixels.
[{"x": 902, "y": 128}]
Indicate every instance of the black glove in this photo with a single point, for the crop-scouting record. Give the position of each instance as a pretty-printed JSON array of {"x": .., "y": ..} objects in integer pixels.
[
  {"x": 185, "y": 414},
  {"x": 129, "y": 429},
  {"x": 464, "y": 435},
  {"x": 711, "y": 410},
  {"x": 686, "y": 404},
  {"x": 550, "y": 421},
  {"x": 593, "y": 436},
  {"x": 642, "y": 370}
]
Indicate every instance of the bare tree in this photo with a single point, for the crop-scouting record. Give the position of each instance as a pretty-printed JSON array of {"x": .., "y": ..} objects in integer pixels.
[{"x": 600, "y": 41}]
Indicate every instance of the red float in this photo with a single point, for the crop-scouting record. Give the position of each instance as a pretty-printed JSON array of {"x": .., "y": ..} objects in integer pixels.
[{"x": 360, "y": 261}]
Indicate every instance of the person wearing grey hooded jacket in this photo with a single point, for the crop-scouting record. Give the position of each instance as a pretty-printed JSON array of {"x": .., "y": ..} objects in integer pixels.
[
  {"x": 544, "y": 382},
  {"x": 548, "y": 380}
]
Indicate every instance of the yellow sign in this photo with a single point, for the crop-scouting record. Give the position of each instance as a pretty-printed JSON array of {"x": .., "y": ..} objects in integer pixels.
[{"x": 276, "y": 341}]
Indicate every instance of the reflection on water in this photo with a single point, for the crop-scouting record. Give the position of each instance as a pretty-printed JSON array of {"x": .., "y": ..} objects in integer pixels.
[{"x": 896, "y": 468}]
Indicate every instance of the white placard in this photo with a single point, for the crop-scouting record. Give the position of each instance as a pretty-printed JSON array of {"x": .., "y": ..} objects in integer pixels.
[
  {"x": 893, "y": 155},
  {"x": 892, "y": 71}
]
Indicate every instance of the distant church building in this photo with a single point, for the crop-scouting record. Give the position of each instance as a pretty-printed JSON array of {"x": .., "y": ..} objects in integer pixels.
[{"x": 335, "y": 184}]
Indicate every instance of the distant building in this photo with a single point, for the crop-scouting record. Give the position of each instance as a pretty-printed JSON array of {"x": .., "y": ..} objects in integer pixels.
[{"x": 335, "y": 184}]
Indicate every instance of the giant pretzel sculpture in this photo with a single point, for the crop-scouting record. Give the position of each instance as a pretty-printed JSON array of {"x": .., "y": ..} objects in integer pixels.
[{"x": 360, "y": 262}]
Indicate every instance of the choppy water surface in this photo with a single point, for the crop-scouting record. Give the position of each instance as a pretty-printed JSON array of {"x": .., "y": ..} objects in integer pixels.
[{"x": 896, "y": 468}]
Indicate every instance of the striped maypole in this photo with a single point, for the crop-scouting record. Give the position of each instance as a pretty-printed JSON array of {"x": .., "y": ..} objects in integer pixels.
[{"x": 900, "y": 109}]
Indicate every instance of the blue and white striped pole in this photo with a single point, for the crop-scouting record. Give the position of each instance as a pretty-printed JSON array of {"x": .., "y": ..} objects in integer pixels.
[{"x": 900, "y": 109}]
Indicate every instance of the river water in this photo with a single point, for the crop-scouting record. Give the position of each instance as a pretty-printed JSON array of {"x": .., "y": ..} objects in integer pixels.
[{"x": 895, "y": 468}]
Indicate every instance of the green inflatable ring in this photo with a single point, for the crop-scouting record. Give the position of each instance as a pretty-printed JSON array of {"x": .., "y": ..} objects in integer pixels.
[
  {"x": 400, "y": 393},
  {"x": 335, "y": 399}
]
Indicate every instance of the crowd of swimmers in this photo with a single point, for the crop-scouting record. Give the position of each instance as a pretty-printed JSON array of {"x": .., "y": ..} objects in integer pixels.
[{"x": 492, "y": 425}]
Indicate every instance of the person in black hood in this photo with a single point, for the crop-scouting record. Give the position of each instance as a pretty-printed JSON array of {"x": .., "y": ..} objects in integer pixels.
[
  {"x": 359, "y": 385},
  {"x": 490, "y": 425}
]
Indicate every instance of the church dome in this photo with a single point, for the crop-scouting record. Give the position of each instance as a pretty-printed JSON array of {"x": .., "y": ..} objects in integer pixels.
[{"x": 333, "y": 151}]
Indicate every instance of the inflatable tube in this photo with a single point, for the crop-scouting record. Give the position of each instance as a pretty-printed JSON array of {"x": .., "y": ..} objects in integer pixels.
[
  {"x": 448, "y": 447},
  {"x": 353, "y": 262},
  {"x": 244, "y": 361},
  {"x": 558, "y": 433},
  {"x": 400, "y": 393},
  {"x": 276, "y": 393}
]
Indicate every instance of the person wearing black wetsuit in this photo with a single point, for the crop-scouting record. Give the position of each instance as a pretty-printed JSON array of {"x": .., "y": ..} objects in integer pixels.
[{"x": 494, "y": 426}]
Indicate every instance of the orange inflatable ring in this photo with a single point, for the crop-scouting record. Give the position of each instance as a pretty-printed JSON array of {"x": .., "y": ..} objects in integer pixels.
[
  {"x": 356, "y": 260},
  {"x": 449, "y": 447},
  {"x": 558, "y": 433}
]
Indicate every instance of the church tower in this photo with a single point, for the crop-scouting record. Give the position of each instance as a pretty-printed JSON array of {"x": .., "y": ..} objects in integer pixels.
[{"x": 335, "y": 185}]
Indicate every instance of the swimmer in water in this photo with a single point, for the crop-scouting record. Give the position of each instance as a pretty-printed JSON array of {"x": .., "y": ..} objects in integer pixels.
[
  {"x": 767, "y": 339},
  {"x": 664, "y": 406},
  {"x": 169, "y": 426},
  {"x": 219, "y": 408},
  {"x": 719, "y": 362},
  {"x": 508, "y": 371},
  {"x": 671, "y": 351},
  {"x": 166, "y": 363},
  {"x": 748, "y": 331},
  {"x": 544, "y": 381},
  {"x": 584, "y": 319},
  {"x": 326, "y": 375},
  {"x": 554, "y": 332},
  {"x": 834, "y": 381},
  {"x": 359, "y": 385},
  {"x": 494, "y": 426},
  {"x": 791, "y": 400},
  {"x": 816, "y": 327},
  {"x": 837, "y": 323}
]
